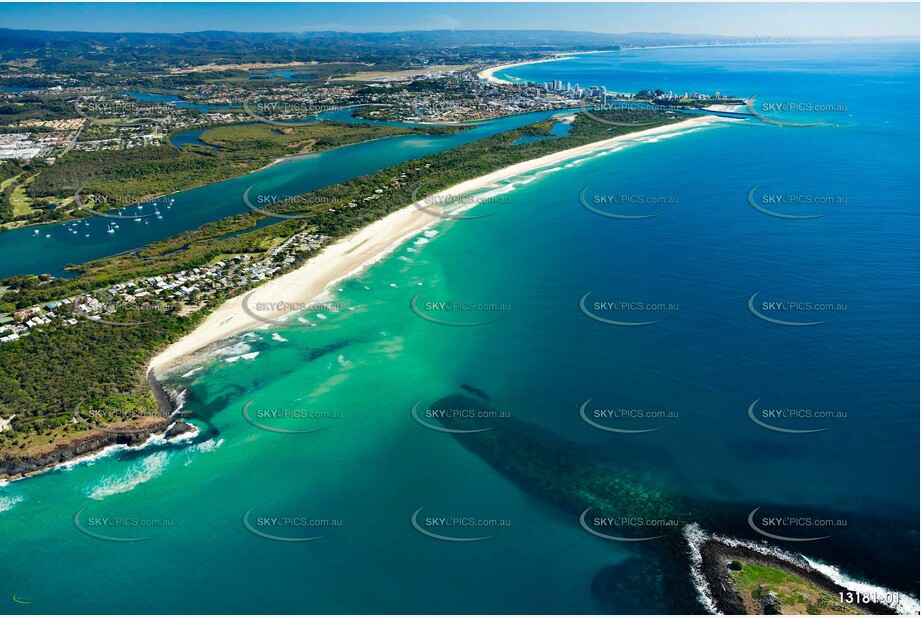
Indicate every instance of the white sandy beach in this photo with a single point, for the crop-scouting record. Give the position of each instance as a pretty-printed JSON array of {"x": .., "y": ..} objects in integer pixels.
[
  {"x": 349, "y": 255},
  {"x": 487, "y": 74}
]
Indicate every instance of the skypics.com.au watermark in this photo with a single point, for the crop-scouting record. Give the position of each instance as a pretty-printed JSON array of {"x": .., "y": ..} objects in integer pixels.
[
  {"x": 120, "y": 529},
  {"x": 97, "y": 311},
  {"x": 287, "y": 111},
  {"x": 626, "y": 420},
  {"x": 446, "y": 205},
  {"x": 795, "y": 206},
  {"x": 264, "y": 202},
  {"x": 456, "y": 309},
  {"x": 761, "y": 111},
  {"x": 268, "y": 311},
  {"x": 794, "y": 312},
  {"x": 108, "y": 206},
  {"x": 625, "y": 206},
  {"x": 289, "y": 528},
  {"x": 596, "y": 111},
  {"x": 622, "y": 312},
  {"x": 484, "y": 419},
  {"x": 794, "y": 528},
  {"x": 295, "y": 420},
  {"x": 94, "y": 418},
  {"x": 627, "y": 529},
  {"x": 455, "y": 528},
  {"x": 792, "y": 420},
  {"x": 105, "y": 109}
]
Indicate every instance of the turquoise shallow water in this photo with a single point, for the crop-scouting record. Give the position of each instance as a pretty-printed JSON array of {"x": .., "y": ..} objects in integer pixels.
[{"x": 369, "y": 358}]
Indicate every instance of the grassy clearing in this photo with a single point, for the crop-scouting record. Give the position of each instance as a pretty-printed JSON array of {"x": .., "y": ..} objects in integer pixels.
[
  {"x": 796, "y": 595},
  {"x": 9, "y": 181},
  {"x": 21, "y": 203}
]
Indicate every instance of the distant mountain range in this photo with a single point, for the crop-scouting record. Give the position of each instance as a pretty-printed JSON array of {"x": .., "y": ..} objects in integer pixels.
[
  {"x": 86, "y": 51},
  {"x": 225, "y": 46},
  {"x": 20, "y": 39}
]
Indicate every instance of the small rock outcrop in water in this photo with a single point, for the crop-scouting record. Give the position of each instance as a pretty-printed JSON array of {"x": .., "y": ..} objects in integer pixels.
[
  {"x": 475, "y": 391},
  {"x": 179, "y": 428},
  {"x": 574, "y": 478},
  {"x": 734, "y": 596}
]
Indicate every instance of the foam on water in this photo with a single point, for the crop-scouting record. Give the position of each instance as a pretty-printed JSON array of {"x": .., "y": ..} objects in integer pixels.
[
  {"x": 695, "y": 536},
  {"x": 901, "y": 603},
  {"x": 235, "y": 349},
  {"x": 141, "y": 472},
  {"x": 179, "y": 399},
  {"x": 203, "y": 447},
  {"x": 8, "y": 502},
  {"x": 192, "y": 372},
  {"x": 187, "y": 436},
  {"x": 92, "y": 458}
]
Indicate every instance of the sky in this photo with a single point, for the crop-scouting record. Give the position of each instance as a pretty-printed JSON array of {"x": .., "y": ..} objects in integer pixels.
[{"x": 742, "y": 18}]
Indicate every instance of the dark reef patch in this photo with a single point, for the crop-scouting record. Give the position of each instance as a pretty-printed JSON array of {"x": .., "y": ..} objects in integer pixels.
[
  {"x": 575, "y": 478},
  {"x": 476, "y": 392}
]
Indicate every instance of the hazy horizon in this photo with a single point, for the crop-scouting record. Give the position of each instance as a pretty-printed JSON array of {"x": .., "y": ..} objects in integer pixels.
[{"x": 864, "y": 20}]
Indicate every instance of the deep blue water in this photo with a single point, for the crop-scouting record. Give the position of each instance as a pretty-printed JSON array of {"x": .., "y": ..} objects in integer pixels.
[
  {"x": 711, "y": 251},
  {"x": 706, "y": 252}
]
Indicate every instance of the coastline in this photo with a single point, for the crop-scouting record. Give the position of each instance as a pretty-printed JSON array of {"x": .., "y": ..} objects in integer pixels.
[
  {"x": 489, "y": 74},
  {"x": 352, "y": 254},
  {"x": 93, "y": 443},
  {"x": 716, "y": 552}
]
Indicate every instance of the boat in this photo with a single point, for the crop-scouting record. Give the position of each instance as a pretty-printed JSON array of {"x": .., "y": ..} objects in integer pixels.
[{"x": 110, "y": 229}]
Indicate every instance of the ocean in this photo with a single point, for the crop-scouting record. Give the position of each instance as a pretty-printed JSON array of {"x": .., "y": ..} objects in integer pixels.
[
  {"x": 51, "y": 248},
  {"x": 729, "y": 400}
]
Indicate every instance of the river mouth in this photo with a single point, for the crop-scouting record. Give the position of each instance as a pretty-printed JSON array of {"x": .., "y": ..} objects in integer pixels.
[
  {"x": 52, "y": 247},
  {"x": 516, "y": 454}
]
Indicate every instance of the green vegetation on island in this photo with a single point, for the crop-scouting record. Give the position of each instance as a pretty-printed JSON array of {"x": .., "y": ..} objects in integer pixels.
[{"x": 767, "y": 589}]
